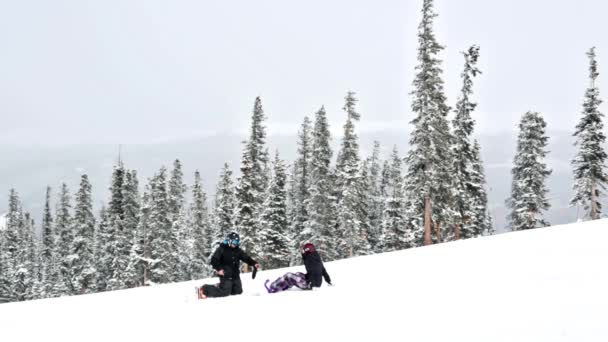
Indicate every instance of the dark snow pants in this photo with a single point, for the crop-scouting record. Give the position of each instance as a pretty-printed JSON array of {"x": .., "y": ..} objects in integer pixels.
[{"x": 226, "y": 287}]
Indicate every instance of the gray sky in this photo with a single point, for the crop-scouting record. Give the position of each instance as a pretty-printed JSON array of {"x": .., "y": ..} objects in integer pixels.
[{"x": 79, "y": 71}]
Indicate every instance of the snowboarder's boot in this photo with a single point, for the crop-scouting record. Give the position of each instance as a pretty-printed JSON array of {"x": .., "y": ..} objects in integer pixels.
[{"x": 200, "y": 293}]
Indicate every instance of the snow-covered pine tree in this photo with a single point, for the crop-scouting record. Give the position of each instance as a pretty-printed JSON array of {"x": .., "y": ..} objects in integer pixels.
[
  {"x": 177, "y": 214},
  {"x": 82, "y": 249},
  {"x": 101, "y": 235},
  {"x": 274, "y": 242},
  {"x": 481, "y": 220},
  {"x": 111, "y": 237},
  {"x": 393, "y": 232},
  {"x": 185, "y": 247},
  {"x": 48, "y": 237},
  {"x": 375, "y": 200},
  {"x": 138, "y": 270},
  {"x": 466, "y": 190},
  {"x": 5, "y": 276},
  {"x": 301, "y": 185},
  {"x": 529, "y": 191},
  {"x": 246, "y": 205},
  {"x": 253, "y": 181},
  {"x": 121, "y": 237},
  {"x": 320, "y": 228},
  {"x": 225, "y": 205},
  {"x": 293, "y": 234},
  {"x": 202, "y": 234},
  {"x": 63, "y": 243},
  {"x": 13, "y": 217},
  {"x": 131, "y": 208},
  {"x": 589, "y": 166},
  {"x": 18, "y": 263},
  {"x": 352, "y": 223},
  {"x": 25, "y": 262},
  {"x": 364, "y": 188},
  {"x": 162, "y": 239},
  {"x": 428, "y": 179},
  {"x": 177, "y": 191},
  {"x": 385, "y": 179}
]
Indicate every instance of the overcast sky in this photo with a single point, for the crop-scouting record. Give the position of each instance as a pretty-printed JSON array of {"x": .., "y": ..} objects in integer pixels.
[{"x": 74, "y": 72}]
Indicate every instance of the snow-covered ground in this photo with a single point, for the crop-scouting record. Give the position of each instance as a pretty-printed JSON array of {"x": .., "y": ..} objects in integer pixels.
[{"x": 548, "y": 284}]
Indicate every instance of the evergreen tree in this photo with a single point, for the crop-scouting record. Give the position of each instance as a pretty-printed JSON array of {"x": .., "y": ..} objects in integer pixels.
[
  {"x": 126, "y": 239},
  {"x": 225, "y": 204},
  {"x": 466, "y": 190},
  {"x": 246, "y": 204},
  {"x": 293, "y": 231},
  {"x": 177, "y": 215},
  {"x": 274, "y": 242},
  {"x": 375, "y": 200},
  {"x": 428, "y": 185},
  {"x": 113, "y": 234},
  {"x": 5, "y": 270},
  {"x": 202, "y": 234},
  {"x": 589, "y": 163},
  {"x": 177, "y": 191},
  {"x": 140, "y": 262},
  {"x": 369, "y": 237},
  {"x": 301, "y": 182},
  {"x": 352, "y": 222},
  {"x": 162, "y": 239},
  {"x": 25, "y": 262},
  {"x": 393, "y": 232},
  {"x": 320, "y": 228},
  {"x": 103, "y": 262},
  {"x": 253, "y": 181},
  {"x": 65, "y": 238},
  {"x": 116, "y": 207},
  {"x": 482, "y": 220},
  {"x": 48, "y": 238},
  {"x": 185, "y": 247},
  {"x": 528, "y": 189},
  {"x": 10, "y": 246},
  {"x": 82, "y": 249},
  {"x": 18, "y": 253}
]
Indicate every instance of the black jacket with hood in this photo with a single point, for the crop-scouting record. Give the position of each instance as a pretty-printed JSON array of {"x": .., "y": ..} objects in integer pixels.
[
  {"x": 315, "y": 269},
  {"x": 228, "y": 259}
]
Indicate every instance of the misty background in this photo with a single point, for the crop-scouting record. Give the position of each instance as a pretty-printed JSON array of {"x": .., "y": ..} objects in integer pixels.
[{"x": 178, "y": 79}]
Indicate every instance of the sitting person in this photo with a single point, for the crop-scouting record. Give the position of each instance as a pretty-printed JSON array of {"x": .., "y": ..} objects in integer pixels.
[
  {"x": 314, "y": 266},
  {"x": 315, "y": 271}
]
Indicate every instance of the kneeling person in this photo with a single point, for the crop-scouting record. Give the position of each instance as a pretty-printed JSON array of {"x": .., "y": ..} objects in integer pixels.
[{"x": 226, "y": 262}]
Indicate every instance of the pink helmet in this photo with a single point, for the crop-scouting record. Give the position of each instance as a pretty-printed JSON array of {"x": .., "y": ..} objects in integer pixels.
[{"x": 308, "y": 248}]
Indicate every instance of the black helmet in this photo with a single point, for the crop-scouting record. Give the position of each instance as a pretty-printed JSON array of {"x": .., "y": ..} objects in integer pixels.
[{"x": 232, "y": 238}]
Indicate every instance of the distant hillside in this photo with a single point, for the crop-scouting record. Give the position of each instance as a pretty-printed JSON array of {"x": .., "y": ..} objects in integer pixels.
[{"x": 30, "y": 169}]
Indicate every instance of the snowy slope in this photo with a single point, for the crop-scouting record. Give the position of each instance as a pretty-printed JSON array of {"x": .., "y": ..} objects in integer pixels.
[{"x": 544, "y": 285}]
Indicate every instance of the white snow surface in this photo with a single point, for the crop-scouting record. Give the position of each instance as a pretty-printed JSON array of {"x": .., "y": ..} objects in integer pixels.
[
  {"x": 547, "y": 284},
  {"x": 2, "y": 221}
]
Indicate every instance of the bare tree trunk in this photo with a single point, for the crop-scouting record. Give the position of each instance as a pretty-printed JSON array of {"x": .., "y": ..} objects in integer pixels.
[
  {"x": 438, "y": 232},
  {"x": 146, "y": 275},
  {"x": 427, "y": 221},
  {"x": 457, "y": 232},
  {"x": 593, "y": 202}
]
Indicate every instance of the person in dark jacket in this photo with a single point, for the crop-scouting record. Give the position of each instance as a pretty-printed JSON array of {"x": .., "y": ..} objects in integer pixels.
[
  {"x": 226, "y": 262},
  {"x": 314, "y": 266}
]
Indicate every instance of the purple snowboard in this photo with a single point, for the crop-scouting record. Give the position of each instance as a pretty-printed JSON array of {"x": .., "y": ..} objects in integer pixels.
[{"x": 286, "y": 282}]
